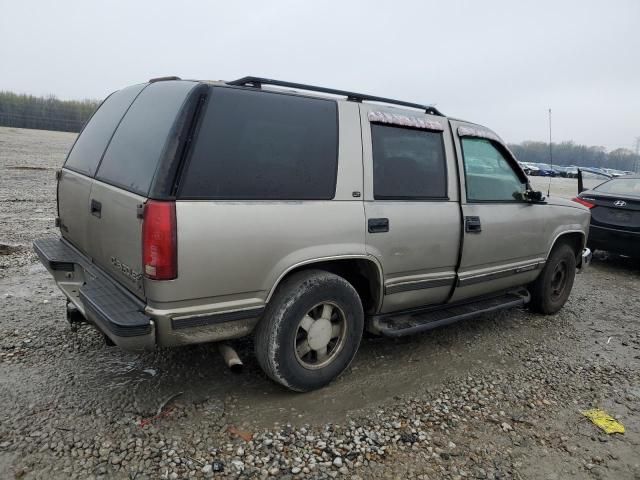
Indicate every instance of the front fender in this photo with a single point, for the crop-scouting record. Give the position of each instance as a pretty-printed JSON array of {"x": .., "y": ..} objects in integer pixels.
[{"x": 567, "y": 218}]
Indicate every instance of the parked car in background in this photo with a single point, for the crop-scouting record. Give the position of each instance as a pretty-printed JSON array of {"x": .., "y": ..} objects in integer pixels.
[
  {"x": 572, "y": 171},
  {"x": 197, "y": 211},
  {"x": 529, "y": 168},
  {"x": 567, "y": 172},
  {"x": 545, "y": 170},
  {"x": 615, "y": 215}
]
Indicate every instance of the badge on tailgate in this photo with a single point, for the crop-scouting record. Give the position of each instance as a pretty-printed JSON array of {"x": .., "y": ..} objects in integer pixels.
[{"x": 126, "y": 270}]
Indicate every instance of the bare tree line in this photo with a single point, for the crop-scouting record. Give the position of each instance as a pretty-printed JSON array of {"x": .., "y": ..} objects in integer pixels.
[
  {"x": 50, "y": 113},
  {"x": 45, "y": 113},
  {"x": 568, "y": 153}
]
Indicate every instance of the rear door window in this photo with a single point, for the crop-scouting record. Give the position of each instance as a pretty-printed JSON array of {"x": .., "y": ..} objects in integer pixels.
[
  {"x": 132, "y": 155},
  {"x": 408, "y": 164},
  {"x": 256, "y": 145},
  {"x": 89, "y": 147}
]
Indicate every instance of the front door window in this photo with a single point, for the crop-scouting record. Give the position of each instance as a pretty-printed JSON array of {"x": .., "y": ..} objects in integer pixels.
[{"x": 489, "y": 176}]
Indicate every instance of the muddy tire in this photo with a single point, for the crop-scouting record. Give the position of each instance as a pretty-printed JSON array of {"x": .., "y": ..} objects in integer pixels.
[
  {"x": 551, "y": 289},
  {"x": 310, "y": 331}
]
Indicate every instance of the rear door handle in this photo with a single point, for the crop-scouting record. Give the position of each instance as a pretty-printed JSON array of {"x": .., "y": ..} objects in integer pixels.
[
  {"x": 96, "y": 208},
  {"x": 378, "y": 225},
  {"x": 472, "y": 225}
]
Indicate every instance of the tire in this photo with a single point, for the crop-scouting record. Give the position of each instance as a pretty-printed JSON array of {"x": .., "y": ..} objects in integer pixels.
[
  {"x": 295, "y": 322},
  {"x": 551, "y": 289}
]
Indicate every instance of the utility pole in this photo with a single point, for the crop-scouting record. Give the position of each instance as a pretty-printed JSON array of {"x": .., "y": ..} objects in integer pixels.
[
  {"x": 637, "y": 162},
  {"x": 550, "y": 154}
]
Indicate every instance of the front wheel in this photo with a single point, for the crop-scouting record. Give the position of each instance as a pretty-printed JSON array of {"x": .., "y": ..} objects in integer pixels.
[
  {"x": 551, "y": 289},
  {"x": 311, "y": 330}
]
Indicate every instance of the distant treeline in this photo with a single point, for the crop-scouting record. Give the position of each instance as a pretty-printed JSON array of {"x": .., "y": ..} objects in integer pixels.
[
  {"x": 50, "y": 113},
  {"x": 45, "y": 113},
  {"x": 568, "y": 153}
]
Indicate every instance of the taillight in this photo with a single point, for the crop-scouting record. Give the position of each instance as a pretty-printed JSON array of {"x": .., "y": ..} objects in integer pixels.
[
  {"x": 159, "y": 241},
  {"x": 582, "y": 201}
]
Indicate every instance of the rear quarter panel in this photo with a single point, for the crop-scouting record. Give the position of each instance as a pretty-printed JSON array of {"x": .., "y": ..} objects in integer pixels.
[{"x": 232, "y": 253}]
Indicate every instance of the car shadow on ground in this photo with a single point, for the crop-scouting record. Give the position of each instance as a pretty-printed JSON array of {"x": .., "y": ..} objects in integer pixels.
[
  {"x": 616, "y": 263},
  {"x": 383, "y": 369}
]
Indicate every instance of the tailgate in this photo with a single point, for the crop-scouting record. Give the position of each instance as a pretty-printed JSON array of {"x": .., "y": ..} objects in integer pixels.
[{"x": 115, "y": 234}]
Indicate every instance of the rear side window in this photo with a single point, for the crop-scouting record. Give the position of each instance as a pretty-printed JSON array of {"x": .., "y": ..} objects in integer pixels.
[
  {"x": 132, "y": 156},
  {"x": 89, "y": 147},
  {"x": 264, "y": 146},
  {"x": 408, "y": 164}
]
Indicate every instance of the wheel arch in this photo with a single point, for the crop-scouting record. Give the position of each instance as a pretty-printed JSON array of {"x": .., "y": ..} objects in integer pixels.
[
  {"x": 574, "y": 238},
  {"x": 361, "y": 271}
]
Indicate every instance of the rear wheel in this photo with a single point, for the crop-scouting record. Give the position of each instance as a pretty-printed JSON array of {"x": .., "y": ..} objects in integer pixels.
[
  {"x": 551, "y": 289},
  {"x": 311, "y": 330}
]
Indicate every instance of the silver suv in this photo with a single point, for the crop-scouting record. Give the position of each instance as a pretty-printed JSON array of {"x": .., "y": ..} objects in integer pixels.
[{"x": 195, "y": 211}]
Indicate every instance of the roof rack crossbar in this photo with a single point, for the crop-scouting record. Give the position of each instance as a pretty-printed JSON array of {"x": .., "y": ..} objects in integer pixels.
[{"x": 257, "y": 82}]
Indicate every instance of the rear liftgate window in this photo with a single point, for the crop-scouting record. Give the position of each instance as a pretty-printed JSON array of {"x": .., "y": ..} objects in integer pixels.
[
  {"x": 88, "y": 149},
  {"x": 408, "y": 164},
  {"x": 264, "y": 146},
  {"x": 132, "y": 156}
]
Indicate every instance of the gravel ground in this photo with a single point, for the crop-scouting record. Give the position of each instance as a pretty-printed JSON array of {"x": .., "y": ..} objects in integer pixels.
[{"x": 497, "y": 397}]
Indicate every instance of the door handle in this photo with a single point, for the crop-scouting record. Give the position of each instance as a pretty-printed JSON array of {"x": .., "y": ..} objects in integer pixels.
[
  {"x": 96, "y": 208},
  {"x": 472, "y": 225},
  {"x": 378, "y": 225}
]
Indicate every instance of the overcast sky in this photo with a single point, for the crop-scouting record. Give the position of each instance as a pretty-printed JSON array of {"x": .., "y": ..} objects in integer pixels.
[{"x": 498, "y": 63}]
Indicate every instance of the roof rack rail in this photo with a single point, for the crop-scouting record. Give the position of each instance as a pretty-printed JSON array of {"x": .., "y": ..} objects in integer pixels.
[
  {"x": 257, "y": 82},
  {"x": 164, "y": 79}
]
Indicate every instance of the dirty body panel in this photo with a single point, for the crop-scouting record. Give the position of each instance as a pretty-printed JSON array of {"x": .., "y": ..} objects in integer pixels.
[
  {"x": 266, "y": 182},
  {"x": 507, "y": 239},
  {"x": 410, "y": 184}
]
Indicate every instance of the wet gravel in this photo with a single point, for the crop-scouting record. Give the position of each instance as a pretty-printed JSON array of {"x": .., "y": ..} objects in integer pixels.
[{"x": 498, "y": 397}]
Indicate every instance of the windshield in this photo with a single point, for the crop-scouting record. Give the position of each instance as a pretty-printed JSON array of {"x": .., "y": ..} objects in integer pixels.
[
  {"x": 544, "y": 165},
  {"x": 621, "y": 186}
]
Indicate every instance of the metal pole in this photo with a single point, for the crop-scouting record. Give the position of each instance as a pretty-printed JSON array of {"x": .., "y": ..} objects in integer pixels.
[{"x": 550, "y": 155}]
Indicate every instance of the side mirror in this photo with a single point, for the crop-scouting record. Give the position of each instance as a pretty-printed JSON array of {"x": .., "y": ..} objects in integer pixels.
[
  {"x": 534, "y": 196},
  {"x": 531, "y": 196}
]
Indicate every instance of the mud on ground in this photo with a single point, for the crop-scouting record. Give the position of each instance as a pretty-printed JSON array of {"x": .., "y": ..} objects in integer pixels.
[{"x": 495, "y": 397}]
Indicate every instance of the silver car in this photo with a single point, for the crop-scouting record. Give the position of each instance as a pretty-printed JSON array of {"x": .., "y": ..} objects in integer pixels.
[{"x": 195, "y": 211}]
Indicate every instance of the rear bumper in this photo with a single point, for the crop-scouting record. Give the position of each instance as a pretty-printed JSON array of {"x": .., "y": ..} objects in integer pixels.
[
  {"x": 114, "y": 311},
  {"x": 124, "y": 318},
  {"x": 612, "y": 240},
  {"x": 585, "y": 259}
]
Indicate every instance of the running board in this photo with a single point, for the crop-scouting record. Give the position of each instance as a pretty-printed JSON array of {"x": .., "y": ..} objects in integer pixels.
[{"x": 407, "y": 323}]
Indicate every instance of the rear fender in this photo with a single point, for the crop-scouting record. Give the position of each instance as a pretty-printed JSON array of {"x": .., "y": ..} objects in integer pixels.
[{"x": 327, "y": 263}]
